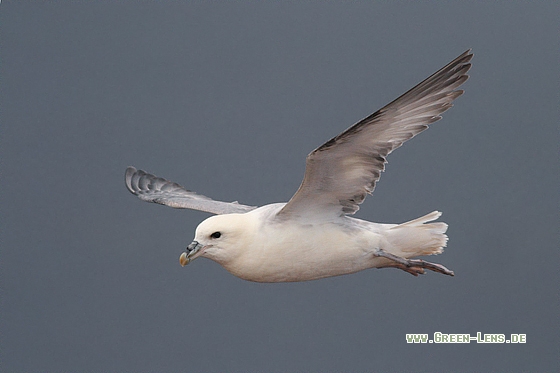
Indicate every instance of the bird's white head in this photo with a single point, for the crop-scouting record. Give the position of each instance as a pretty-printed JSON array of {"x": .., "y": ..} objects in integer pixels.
[{"x": 221, "y": 238}]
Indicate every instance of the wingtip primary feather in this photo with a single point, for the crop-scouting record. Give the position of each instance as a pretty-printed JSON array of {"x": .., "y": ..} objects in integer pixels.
[{"x": 129, "y": 173}]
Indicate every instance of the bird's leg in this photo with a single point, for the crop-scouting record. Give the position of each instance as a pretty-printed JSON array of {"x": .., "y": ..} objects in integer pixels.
[{"x": 413, "y": 266}]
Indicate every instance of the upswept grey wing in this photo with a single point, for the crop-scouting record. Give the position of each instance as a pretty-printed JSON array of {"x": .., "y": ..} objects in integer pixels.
[
  {"x": 341, "y": 172},
  {"x": 155, "y": 189}
]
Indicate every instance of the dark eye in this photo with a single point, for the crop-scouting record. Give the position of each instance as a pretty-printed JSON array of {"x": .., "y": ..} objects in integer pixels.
[{"x": 216, "y": 235}]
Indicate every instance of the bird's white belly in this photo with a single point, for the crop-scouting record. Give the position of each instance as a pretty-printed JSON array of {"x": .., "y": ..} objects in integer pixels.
[{"x": 305, "y": 252}]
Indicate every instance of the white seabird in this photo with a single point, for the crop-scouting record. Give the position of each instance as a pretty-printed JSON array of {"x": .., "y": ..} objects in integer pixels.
[{"x": 312, "y": 236}]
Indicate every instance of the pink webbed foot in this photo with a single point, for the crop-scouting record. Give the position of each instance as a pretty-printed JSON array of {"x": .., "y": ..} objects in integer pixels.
[{"x": 413, "y": 266}]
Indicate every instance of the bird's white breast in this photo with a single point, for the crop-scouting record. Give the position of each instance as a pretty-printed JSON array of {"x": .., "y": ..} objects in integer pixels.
[{"x": 295, "y": 251}]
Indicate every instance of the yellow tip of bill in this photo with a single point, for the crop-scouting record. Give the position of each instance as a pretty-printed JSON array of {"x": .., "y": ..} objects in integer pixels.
[{"x": 183, "y": 259}]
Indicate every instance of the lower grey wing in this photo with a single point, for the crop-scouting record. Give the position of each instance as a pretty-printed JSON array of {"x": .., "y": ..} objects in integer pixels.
[{"x": 151, "y": 188}]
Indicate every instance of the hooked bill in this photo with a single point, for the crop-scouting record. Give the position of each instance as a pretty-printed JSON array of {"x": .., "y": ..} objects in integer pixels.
[{"x": 183, "y": 259}]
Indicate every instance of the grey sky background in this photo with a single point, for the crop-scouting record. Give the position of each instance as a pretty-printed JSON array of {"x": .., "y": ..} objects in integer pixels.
[{"x": 227, "y": 99}]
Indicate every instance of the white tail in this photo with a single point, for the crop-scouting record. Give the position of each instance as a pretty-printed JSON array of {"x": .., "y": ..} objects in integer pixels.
[{"x": 415, "y": 237}]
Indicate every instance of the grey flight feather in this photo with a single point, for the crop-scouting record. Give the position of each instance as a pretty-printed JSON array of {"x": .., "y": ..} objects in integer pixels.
[
  {"x": 341, "y": 172},
  {"x": 155, "y": 189}
]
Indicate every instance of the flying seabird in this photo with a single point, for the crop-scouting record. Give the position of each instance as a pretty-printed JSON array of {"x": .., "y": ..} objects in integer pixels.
[{"x": 313, "y": 235}]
